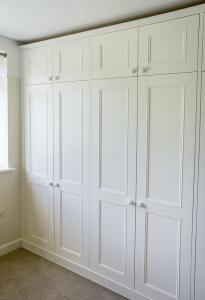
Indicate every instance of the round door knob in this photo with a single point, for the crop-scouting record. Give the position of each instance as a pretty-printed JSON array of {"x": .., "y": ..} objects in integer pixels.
[
  {"x": 50, "y": 78},
  {"x": 50, "y": 183},
  {"x": 142, "y": 70},
  {"x": 131, "y": 202},
  {"x": 57, "y": 185},
  {"x": 134, "y": 70},
  {"x": 140, "y": 204},
  {"x": 57, "y": 77}
]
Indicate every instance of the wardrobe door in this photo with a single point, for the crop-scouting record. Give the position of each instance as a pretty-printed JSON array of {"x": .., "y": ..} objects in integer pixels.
[
  {"x": 37, "y": 64},
  {"x": 71, "y": 60},
  {"x": 200, "y": 241},
  {"x": 115, "y": 54},
  {"x": 114, "y": 105},
  {"x": 71, "y": 152},
  {"x": 169, "y": 47},
  {"x": 165, "y": 178},
  {"x": 39, "y": 165}
]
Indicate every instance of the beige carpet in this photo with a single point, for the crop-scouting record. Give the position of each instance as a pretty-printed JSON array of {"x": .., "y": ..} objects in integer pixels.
[{"x": 26, "y": 276}]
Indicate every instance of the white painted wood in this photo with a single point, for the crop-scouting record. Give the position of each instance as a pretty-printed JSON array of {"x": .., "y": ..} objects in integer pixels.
[
  {"x": 115, "y": 54},
  {"x": 37, "y": 65},
  {"x": 197, "y": 154},
  {"x": 71, "y": 60},
  {"x": 200, "y": 242},
  {"x": 169, "y": 46},
  {"x": 50, "y": 255},
  {"x": 112, "y": 260},
  {"x": 114, "y": 103},
  {"x": 9, "y": 247},
  {"x": 71, "y": 148},
  {"x": 39, "y": 165},
  {"x": 165, "y": 179}
]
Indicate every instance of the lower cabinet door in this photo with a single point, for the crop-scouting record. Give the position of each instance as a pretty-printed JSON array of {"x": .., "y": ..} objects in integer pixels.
[
  {"x": 165, "y": 178},
  {"x": 71, "y": 162},
  {"x": 39, "y": 166},
  {"x": 114, "y": 114}
]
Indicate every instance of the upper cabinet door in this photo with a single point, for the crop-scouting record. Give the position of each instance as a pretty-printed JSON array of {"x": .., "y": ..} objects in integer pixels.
[
  {"x": 165, "y": 181},
  {"x": 38, "y": 65},
  {"x": 115, "y": 54},
  {"x": 71, "y": 60},
  {"x": 169, "y": 47}
]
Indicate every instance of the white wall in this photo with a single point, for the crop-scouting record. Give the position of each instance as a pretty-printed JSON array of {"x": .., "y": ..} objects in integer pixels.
[{"x": 10, "y": 182}]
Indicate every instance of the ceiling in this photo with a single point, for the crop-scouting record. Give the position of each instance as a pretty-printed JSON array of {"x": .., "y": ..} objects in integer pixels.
[{"x": 26, "y": 20}]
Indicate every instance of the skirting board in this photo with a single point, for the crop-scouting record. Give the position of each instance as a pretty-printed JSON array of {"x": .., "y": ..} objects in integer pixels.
[
  {"x": 11, "y": 246},
  {"x": 82, "y": 271}
]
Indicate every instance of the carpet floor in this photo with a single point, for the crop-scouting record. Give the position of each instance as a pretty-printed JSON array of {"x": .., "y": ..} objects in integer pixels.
[{"x": 26, "y": 276}]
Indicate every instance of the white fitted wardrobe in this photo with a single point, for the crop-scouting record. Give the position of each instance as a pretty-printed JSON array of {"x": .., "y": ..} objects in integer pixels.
[{"x": 111, "y": 152}]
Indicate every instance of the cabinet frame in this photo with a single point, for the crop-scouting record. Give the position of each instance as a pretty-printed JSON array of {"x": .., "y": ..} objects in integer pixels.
[{"x": 200, "y": 10}]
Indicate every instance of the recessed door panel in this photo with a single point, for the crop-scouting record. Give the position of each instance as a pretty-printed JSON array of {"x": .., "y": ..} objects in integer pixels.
[
  {"x": 115, "y": 54},
  {"x": 71, "y": 60},
  {"x": 38, "y": 131},
  {"x": 165, "y": 168},
  {"x": 71, "y": 124},
  {"x": 169, "y": 47},
  {"x": 71, "y": 142},
  {"x": 113, "y": 139},
  {"x": 162, "y": 231},
  {"x": 112, "y": 244},
  {"x": 39, "y": 166},
  {"x": 38, "y": 65},
  {"x": 38, "y": 215},
  {"x": 71, "y": 209},
  {"x": 165, "y": 148},
  {"x": 114, "y": 103}
]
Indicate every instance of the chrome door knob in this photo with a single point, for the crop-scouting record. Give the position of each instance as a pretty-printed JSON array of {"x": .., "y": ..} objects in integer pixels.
[
  {"x": 134, "y": 70},
  {"x": 131, "y": 202},
  {"x": 143, "y": 69},
  {"x": 140, "y": 204},
  {"x": 50, "y": 183},
  {"x": 57, "y": 77},
  {"x": 50, "y": 78},
  {"x": 57, "y": 185}
]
